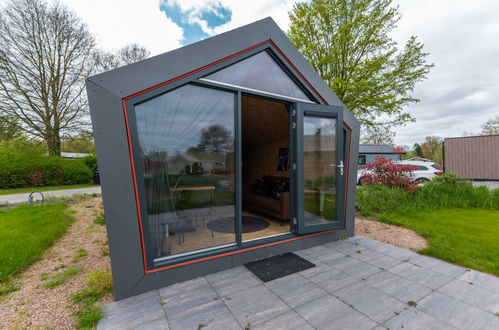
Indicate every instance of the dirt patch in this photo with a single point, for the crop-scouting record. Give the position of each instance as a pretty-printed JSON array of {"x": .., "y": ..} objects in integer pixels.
[
  {"x": 391, "y": 234},
  {"x": 35, "y": 305}
]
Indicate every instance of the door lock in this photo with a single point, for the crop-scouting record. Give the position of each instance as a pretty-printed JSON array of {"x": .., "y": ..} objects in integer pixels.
[{"x": 341, "y": 166}]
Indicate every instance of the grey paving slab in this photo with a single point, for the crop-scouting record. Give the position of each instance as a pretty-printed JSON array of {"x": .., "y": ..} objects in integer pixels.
[
  {"x": 398, "y": 287},
  {"x": 255, "y": 305},
  {"x": 473, "y": 295},
  {"x": 354, "y": 267},
  {"x": 370, "y": 301},
  {"x": 367, "y": 290},
  {"x": 133, "y": 312},
  {"x": 457, "y": 313},
  {"x": 438, "y": 266},
  {"x": 295, "y": 290},
  {"x": 345, "y": 247},
  {"x": 328, "y": 278},
  {"x": 385, "y": 262},
  {"x": 21, "y": 198},
  {"x": 386, "y": 249},
  {"x": 233, "y": 280},
  {"x": 330, "y": 313},
  {"x": 287, "y": 321},
  {"x": 486, "y": 281},
  {"x": 412, "y": 318},
  {"x": 185, "y": 295},
  {"x": 211, "y": 315},
  {"x": 421, "y": 275},
  {"x": 159, "y": 324}
]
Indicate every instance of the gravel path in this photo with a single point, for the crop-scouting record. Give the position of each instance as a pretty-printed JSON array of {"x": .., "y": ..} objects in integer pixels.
[
  {"x": 391, "y": 234},
  {"x": 35, "y": 306},
  {"x": 20, "y": 198}
]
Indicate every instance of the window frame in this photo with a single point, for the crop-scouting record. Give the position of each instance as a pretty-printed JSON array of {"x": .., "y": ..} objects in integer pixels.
[
  {"x": 362, "y": 157},
  {"x": 152, "y": 263}
]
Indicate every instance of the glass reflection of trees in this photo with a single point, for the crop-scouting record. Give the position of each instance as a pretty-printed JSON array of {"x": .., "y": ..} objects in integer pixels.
[{"x": 187, "y": 151}]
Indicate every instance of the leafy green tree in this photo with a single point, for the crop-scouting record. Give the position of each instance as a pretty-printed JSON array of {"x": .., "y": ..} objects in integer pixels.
[
  {"x": 81, "y": 143},
  {"x": 348, "y": 44},
  {"x": 431, "y": 148},
  {"x": 377, "y": 134},
  {"x": 491, "y": 126},
  {"x": 9, "y": 128}
]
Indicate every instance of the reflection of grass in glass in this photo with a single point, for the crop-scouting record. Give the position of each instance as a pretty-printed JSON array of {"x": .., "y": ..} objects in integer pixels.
[
  {"x": 321, "y": 183},
  {"x": 312, "y": 203},
  {"x": 193, "y": 200},
  {"x": 197, "y": 199}
]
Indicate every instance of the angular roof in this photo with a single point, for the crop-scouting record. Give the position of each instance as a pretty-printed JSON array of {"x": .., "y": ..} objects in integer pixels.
[
  {"x": 129, "y": 80},
  {"x": 375, "y": 149}
]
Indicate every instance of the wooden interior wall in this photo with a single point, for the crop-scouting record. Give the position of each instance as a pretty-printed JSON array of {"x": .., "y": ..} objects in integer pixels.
[{"x": 265, "y": 129}]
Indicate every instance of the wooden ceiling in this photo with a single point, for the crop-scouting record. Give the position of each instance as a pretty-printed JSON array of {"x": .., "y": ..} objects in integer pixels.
[{"x": 263, "y": 121}]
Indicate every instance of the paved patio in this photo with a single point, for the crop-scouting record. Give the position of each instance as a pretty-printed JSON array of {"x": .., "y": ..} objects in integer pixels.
[{"x": 358, "y": 283}]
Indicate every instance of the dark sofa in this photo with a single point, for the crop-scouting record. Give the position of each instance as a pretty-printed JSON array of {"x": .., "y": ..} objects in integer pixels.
[{"x": 269, "y": 195}]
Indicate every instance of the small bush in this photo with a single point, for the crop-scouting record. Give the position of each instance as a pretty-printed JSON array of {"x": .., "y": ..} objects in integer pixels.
[
  {"x": 388, "y": 173},
  {"x": 99, "y": 282},
  {"x": 91, "y": 162}
]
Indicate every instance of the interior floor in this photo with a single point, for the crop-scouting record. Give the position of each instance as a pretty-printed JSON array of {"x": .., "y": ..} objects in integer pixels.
[{"x": 203, "y": 237}]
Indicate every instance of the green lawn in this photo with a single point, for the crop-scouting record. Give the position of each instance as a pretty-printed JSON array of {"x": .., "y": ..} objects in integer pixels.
[
  {"x": 27, "y": 231},
  {"x": 467, "y": 237},
  {"x": 30, "y": 189}
]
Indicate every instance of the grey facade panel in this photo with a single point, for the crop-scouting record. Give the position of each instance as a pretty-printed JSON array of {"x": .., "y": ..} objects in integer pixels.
[{"x": 117, "y": 188}]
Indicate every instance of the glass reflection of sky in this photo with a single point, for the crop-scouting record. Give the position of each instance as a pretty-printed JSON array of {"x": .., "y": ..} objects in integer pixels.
[
  {"x": 259, "y": 72},
  {"x": 312, "y": 124},
  {"x": 171, "y": 123}
]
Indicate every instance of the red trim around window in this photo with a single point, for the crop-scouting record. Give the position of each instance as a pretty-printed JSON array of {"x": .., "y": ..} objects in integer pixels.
[{"x": 132, "y": 163}]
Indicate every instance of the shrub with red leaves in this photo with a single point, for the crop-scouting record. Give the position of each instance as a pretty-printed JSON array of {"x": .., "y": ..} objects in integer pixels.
[{"x": 388, "y": 173}]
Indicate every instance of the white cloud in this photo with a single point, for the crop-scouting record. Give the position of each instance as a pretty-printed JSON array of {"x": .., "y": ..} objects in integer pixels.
[
  {"x": 117, "y": 23},
  {"x": 462, "y": 90}
]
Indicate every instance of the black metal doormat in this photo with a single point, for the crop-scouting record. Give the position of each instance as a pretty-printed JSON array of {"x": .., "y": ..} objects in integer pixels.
[{"x": 278, "y": 266}]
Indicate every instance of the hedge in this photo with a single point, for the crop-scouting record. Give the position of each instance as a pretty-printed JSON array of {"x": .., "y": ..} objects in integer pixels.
[{"x": 27, "y": 164}]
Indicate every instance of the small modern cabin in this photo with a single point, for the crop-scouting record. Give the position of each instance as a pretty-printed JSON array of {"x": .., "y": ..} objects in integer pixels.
[{"x": 226, "y": 151}]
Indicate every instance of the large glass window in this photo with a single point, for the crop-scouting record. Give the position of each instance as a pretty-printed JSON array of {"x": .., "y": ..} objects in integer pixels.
[
  {"x": 186, "y": 140},
  {"x": 259, "y": 72}
]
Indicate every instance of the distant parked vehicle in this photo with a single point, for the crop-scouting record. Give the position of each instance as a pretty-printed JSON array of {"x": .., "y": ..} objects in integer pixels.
[{"x": 424, "y": 172}]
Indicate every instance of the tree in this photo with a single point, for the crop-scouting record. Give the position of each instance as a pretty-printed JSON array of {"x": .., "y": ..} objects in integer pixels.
[
  {"x": 348, "y": 44},
  {"x": 81, "y": 143},
  {"x": 215, "y": 138},
  {"x": 418, "y": 150},
  {"x": 105, "y": 61},
  {"x": 491, "y": 126},
  {"x": 431, "y": 148},
  {"x": 45, "y": 51},
  {"x": 9, "y": 129},
  {"x": 378, "y": 134}
]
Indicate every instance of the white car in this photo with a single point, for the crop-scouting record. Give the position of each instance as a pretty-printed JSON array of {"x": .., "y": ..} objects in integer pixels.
[{"x": 425, "y": 171}]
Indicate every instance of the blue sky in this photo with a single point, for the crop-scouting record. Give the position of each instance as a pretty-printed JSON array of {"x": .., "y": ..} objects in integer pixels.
[{"x": 191, "y": 18}]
